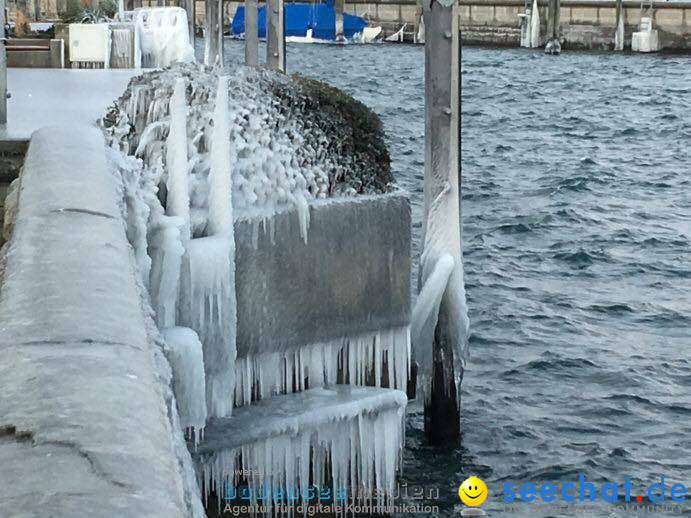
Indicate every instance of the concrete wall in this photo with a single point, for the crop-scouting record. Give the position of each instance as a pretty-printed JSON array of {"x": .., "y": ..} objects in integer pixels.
[
  {"x": 585, "y": 24},
  {"x": 351, "y": 277},
  {"x": 83, "y": 411},
  {"x": 35, "y": 53}
]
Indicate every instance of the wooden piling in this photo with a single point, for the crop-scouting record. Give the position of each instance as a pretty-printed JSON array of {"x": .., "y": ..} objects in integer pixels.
[
  {"x": 251, "y": 36},
  {"x": 213, "y": 32},
  {"x": 275, "y": 35},
  {"x": 3, "y": 66},
  {"x": 189, "y": 7},
  {"x": 339, "y": 7},
  {"x": 442, "y": 171}
]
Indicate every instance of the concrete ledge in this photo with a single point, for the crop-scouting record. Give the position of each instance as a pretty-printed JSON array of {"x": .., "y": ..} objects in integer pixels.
[
  {"x": 292, "y": 414},
  {"x": 82, "y": 414},
  {"x": 351, "y": 277}
]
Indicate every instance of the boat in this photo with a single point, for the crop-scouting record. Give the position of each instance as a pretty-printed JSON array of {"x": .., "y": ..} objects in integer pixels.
[{"x": 310, "y": 23}]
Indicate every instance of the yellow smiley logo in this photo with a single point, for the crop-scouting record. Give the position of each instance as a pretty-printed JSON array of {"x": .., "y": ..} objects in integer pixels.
[{"x": 472, "y": 491}]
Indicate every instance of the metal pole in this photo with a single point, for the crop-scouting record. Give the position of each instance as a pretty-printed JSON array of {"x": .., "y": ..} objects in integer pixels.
[
  {"x": 275, "y": 35},
  {"x": 213, "y": 32},
  {"x": 442, "y": 190},
  {"x": 3, "y": 66},
  {"x": 251, "y": 36}
]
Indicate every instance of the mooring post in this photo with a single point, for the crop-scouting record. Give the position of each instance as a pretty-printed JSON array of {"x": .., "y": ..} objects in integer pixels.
[
  {"x": 251, "y": 36},
  {"x": 554, "y": 8},
  {"x": 339, "y": 7},
  {"x": 3, "y": 66},
  {"x": 553, "y": 45},
  {"x": 188, "y": 6},
  {"x": 442, "y": 191},
  {"x": 619, "y": 34},
  {"x": 275, "y": 35},
  {"x": 213, "y": 32}
]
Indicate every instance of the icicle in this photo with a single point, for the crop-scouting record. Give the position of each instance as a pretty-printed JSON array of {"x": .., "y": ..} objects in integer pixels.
[
  {"x": 535, "y": 26},
  {"x": 220, "y": 200},
  {"x": 365, "y": 357},
  {"x": 178, "y": 199},
  {"x": 184, "y": 352},
  {"x": 361, "y": 451}
]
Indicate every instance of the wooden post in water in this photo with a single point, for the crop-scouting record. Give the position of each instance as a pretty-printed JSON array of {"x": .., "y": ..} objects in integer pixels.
[
  {"x": 619, "y": 31},
  {"x": 213, "y": 32},
  {"x": 3, "y": 66},
  {"x": 275, "y": 35},
  {"x": 339, "y": 7},
  {"x": 442, "y": 182},
  {"x": 251, "y": 36},
  {"x": 553, "y": 19},
  {"x": 553, "y": 45}
]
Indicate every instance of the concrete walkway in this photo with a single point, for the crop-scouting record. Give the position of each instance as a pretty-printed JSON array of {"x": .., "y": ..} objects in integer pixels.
[{"x": 49, "y": 96}]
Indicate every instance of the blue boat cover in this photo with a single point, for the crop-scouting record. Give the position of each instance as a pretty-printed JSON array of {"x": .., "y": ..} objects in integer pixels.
[{"x": 299, "y": 17}]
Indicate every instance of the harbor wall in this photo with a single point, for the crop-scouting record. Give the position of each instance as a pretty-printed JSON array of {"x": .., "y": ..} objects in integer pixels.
[{"x": 585, "y": 24}]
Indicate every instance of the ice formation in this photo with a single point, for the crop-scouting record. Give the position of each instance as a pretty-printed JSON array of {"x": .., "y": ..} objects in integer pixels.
[
  {"x": 354, "y": 439},
  {"x": 184, "y": 353},
  {"x": 619, "y": 35},
  {"x": 196, "y": 153},
  {"x": 442, "y": 301},
  {"x": 535, "y": 26},
  {"x": 380, "y": 359},
  {"x": 208, "y": 279},
  {"x": 163, "y": 37}
]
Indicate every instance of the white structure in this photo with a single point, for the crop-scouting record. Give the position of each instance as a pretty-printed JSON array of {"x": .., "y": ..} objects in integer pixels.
[
  {"x": 90, "y": 43},
  {"x": 530, "y": 27},
  {"x": 646, "y": 39},
  {"x": 162, "y": 36},
  {"x": 160, "y": 39}
]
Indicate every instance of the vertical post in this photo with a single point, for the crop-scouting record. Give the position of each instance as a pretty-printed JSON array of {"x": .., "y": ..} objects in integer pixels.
[
  {"x": 251, "y": 35},
  {"x": 3, "y": 66},
  {"x": 619, "y": 35},
  {"x": 553, "y": 45},
  {"x": 275, "y": 35},
  {"x": 339, "y": 7},
  {"x": 442, "y": 240},
  {"x": 188, "y": 6},
  {"x": 213, "y": 32}
]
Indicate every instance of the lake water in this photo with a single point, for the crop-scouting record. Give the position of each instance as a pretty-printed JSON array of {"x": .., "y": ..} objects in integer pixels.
[{"x": 577, "y": 228}]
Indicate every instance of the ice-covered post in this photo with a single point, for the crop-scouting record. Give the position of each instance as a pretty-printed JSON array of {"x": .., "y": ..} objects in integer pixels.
[
  {"x": 213, "y": 32},
  {"x": 251, "y": 36},
  {"x": 275, "y": 35},
  {"x": 339, "y": 6},
  {"x": 619, "y": 35},
  {"x": 3, "y": 66},
  {"x": 440, "y": 321}
]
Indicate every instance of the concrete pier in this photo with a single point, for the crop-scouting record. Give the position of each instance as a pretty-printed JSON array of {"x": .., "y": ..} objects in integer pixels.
[{"x": 84, "y": 414}]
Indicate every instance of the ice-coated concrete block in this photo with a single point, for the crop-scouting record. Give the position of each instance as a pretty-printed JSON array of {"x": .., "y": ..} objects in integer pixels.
[{"x": 351, "y": 277}]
